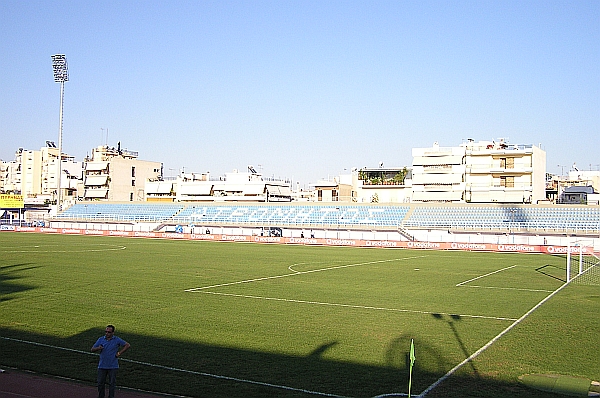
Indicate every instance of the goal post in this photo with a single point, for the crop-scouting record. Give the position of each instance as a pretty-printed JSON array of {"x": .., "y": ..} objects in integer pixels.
[{"x": 583, "y": 265}]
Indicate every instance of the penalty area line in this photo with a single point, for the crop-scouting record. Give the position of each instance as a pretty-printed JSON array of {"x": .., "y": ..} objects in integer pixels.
[
  {"x": 488, "y": 274},
  {"x": 192, "y": 372},
  {"x": 464, "y": 284}
]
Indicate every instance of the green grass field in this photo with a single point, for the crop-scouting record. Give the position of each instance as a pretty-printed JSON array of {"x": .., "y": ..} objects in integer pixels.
[{"x": 248, "y": 320}]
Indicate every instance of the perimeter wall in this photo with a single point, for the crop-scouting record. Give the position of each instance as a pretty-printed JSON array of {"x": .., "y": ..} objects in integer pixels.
[{"x": 469, "y": 246}]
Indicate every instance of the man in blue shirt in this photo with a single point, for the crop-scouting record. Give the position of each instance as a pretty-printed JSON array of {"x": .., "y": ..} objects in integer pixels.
[{"x": 111, "y": 348}]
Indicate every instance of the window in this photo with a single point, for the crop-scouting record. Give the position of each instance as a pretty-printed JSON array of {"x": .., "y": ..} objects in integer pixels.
[{"x": 507, "y": 182}]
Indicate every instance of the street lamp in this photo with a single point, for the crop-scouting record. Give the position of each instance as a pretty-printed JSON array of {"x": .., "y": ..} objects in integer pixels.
[{"x": 61, "y": 75}]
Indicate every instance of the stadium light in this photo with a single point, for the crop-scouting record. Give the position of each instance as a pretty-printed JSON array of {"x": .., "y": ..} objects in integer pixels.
[{"x": 61, "y": 75}]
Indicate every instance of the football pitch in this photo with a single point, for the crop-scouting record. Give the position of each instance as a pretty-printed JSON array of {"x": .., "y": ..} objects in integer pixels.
[{"x": 208, "y": 319}]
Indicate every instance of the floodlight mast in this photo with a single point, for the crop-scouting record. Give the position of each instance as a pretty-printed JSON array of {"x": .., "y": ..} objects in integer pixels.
[{"x": 61, "y": 75}]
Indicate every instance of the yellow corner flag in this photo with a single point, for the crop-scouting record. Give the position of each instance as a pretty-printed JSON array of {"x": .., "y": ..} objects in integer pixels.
[{"x": 412, "y": 362}]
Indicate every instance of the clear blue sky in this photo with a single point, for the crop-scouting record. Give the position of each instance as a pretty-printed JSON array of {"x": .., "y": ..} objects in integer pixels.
[{"x": 305, "y": 89}]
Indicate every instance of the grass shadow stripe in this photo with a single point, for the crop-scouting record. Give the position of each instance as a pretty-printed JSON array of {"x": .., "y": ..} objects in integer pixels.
[{"x": 187, "y": 371}]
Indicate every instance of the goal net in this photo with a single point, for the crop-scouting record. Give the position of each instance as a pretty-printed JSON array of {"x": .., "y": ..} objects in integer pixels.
[{"x": 583, "y": 265}]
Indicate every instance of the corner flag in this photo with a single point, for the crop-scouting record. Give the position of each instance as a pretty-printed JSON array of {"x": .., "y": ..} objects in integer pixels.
[{"x": 412, "y": 362}]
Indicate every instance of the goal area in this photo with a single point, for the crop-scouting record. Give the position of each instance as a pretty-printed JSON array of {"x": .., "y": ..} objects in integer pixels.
[{"x": 583, "y": 265}]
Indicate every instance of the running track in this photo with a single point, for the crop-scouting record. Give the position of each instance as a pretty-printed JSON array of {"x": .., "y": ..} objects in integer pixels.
[{"x": 18, "y": 384}]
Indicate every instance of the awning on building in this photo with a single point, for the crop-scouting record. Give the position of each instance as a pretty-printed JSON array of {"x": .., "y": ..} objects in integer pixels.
[
  {"x": 436, "y": 160},
  {"x": 194, "y": 189},
  {"x": 95, "y": 193},
  {"x": 257, "y": 189},
  {"x": 277, "y": 190},
  {"x": 437, "y": 196},
  {"x": 159, "y": 187},
  {"x": 233, "y": 187},
  {"x": 96, "y": 166},
  {"x": 96, "y": 180}
]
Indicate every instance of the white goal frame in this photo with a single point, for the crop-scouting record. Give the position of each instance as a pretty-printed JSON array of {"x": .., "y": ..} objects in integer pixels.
[{"x": 574, "y": 255}]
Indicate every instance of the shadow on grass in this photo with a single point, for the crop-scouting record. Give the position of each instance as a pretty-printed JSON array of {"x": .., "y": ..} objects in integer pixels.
[
  {"x": 8, "y": 281},
  {"x": 197, "y": 370},
  {"x": 552, "y": 271}
]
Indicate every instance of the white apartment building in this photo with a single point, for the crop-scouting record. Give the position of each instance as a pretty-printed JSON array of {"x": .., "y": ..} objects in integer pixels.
[
  {"x": 33, "y": 174},
  {"x": 114, "y": 174},
  {"x": 498, "y": 172},
  {"x": 438, "y": 174},
  {"x": 71, "y": 173},
  {"x": 10, "y": 175},
  {"x": 479, "y": 172},
  {"x": 232, "y": 187}
]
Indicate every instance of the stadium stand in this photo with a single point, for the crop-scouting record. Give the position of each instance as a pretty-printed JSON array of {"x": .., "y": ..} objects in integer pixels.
[{"x": 491, "y": 218}]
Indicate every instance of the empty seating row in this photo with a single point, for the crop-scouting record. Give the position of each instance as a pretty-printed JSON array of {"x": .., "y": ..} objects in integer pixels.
[{"x": 119, "y": 212}]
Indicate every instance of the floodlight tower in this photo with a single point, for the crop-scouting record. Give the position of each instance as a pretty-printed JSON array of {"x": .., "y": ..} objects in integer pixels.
[{"x": 61, "y": 75}]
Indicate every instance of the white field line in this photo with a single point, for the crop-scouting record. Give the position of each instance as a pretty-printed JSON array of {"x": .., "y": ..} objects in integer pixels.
[
  {"x": 500, "y": 288},
  {"x": 291, "y": 267},
  {"x": 488, "y": 274},
  {"x": 236, "y": 379},
  {"x": 104, "y": 249},
  {"x": 362, "y": 307},
  {"x": 489, "y": 343},
  {"x": 295, "y": 273},
  {"x": 511, "y": 288}
]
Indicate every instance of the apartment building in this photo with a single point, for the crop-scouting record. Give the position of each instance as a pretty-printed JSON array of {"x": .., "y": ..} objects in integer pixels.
[
  {"x": 438, "y": 174},
  {"x": 232, "y": 187},
  {"x": 33, "y": 174},
  {"x": 503, "y": 173},
  {"x": 10, "y": 174},
  {"x": 116, "y": 174},
  {"x": 479, "y": 172}
]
